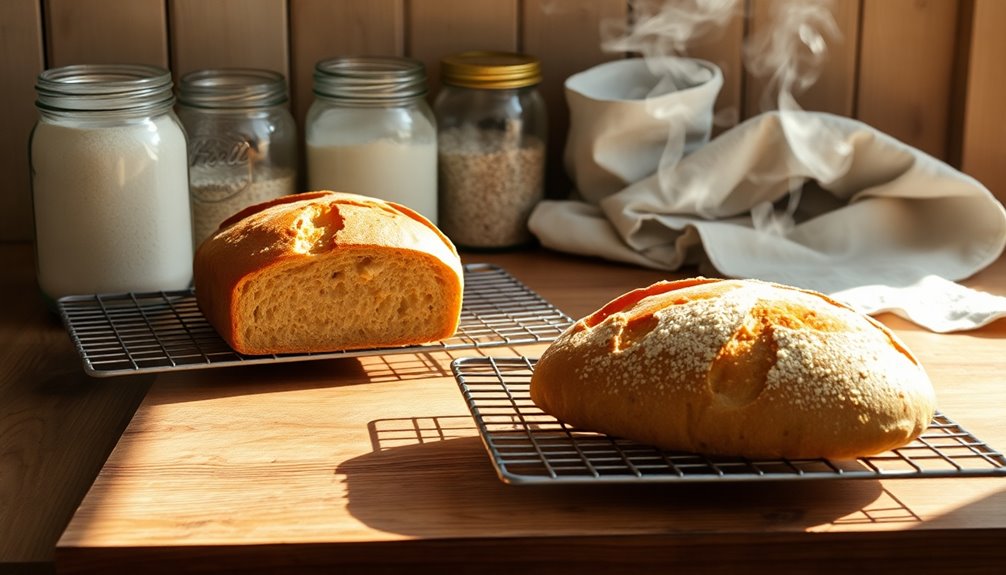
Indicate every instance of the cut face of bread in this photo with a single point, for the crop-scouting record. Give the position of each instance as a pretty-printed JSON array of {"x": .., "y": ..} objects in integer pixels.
[
  {"x": 736, "y": 367},
  {"x": 326, "y": 272},
  {"x": 391, "y": 304}
]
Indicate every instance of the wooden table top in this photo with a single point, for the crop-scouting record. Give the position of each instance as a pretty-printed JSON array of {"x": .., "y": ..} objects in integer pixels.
[{"x": 374, "y": 465}]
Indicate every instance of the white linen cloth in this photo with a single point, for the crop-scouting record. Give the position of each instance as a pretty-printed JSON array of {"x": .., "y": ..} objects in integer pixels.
[{"x": 879, "y": 225}]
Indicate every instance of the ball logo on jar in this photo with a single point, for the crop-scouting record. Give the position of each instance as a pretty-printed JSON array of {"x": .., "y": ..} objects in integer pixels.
[
  {"x": 225, "y": 157},
  {"x": 220, "y": 151}
]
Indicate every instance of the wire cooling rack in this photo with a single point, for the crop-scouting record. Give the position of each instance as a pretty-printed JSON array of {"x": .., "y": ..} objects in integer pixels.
[
  {"x": 528, "y": 446},
  {"x": 164, "y": 331}
]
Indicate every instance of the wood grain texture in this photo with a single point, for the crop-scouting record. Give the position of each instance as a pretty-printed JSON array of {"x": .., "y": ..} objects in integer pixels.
[
  {"x": 958, "y": 92},
  {"x": 373, "y": 464},
  {"x": 566, "y": 36},
  {"x": 438, "y": 28},
  {"x": 223, "y": 33},
  {"x": 983, "y": 153},
  {"x": 56, "y": 424},
  {"x": 20, "y": 63},
  {"x": 322, "y": 29},
  {"x": 834, "y": 89},
  {"x": 906, "y": 70},
  {"x": 106, "y": 32}
]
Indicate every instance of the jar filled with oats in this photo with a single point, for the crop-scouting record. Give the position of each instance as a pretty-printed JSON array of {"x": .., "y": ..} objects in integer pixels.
[
  {"x": 491, "y": 123},
  {"x": 242, "y": 142}
]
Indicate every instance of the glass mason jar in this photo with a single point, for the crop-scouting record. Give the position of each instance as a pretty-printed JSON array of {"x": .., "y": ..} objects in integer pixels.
[
  {"x": 370, "y": 131},
  {"x": 492, "y": 129},
  {"x": 242, "y": 142},
  {"x": 109, "y": 182}
]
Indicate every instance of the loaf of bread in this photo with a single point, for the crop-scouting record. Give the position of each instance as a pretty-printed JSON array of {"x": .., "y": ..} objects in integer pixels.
[
  {"x": 327, "y": 271},
  {"x": 736, "y": 367}
]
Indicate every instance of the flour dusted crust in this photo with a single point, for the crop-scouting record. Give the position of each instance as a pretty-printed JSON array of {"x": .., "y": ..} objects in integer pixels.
[
  {"x": 328, "y": 271},
  {"x": 736, "y": 367}
]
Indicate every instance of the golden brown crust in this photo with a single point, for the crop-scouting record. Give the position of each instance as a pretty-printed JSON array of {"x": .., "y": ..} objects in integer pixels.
[
  {"x": 283, "y": 234},
  {"x": 736, "y": 367}
]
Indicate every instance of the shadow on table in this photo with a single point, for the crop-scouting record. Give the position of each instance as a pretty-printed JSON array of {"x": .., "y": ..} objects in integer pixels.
[
  {"x": 220, "y": 382},
  {"x": 431, "y": 477}
]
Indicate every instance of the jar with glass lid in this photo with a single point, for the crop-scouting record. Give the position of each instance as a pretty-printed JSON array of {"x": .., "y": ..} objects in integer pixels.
[
  {"x": 109, "y": 182},
  {"x": 492, "y": 130},
  {"x": 242, "y": 142},
  {"x": 370, "y": 131}
]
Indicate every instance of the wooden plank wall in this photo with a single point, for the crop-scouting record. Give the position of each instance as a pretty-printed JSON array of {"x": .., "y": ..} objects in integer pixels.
[{"x": 926, "y": 71}]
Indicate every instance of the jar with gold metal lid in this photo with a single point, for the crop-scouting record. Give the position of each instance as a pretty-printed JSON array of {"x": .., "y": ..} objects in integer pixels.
[{"x": 491, "y": 123}]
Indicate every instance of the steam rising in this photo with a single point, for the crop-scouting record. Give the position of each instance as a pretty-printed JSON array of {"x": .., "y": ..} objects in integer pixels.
[
  {"x": 792, "y": 50},
  {"x": 661, "y": 32},
  {"x": 789, "y": 52}
]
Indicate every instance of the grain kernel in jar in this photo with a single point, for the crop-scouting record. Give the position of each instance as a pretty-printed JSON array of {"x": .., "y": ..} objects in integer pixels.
[
  {"x": 489, "y": 186},
  {"x": 216, "y": 196}
]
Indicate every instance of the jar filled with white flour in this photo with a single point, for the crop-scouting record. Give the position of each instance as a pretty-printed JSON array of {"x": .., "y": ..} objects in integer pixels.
[
  {"x": 492, "y": 125},
  {"x": 242, "y": 142},
  {"x": 109, "y": 182},
  {"x": 370, "y": 131}
]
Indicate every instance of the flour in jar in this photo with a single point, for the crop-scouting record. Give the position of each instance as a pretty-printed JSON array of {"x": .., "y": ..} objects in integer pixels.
[
  {"x": 111, "y": 207},
  {"x": 404, "y": 173},
  {"x": 217, "y": 196}
]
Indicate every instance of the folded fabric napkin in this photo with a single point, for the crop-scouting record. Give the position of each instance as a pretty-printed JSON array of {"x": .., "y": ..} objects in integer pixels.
[{"x": 808, "y": 199}]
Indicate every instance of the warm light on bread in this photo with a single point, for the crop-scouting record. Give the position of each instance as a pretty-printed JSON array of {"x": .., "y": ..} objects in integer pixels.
[
  {"x": 736, "y": 367},
  {"x": 327, "y": 271}
]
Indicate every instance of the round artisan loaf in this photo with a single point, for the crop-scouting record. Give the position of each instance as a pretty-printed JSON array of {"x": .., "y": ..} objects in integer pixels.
[{"x": 736, "y": 367}]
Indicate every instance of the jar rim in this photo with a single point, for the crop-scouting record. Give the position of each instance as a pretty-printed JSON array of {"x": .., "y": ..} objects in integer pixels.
[
  {"x": 491, "y": 70},
  {"x": 370, "y": 80},
  {"x": 232, "y": 88},
  {"x": 139, "y": 88}
]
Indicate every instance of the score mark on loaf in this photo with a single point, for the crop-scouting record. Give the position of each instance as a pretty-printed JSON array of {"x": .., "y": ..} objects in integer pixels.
[
  {"x": 736, "y": 367},
  {"x": 328, "y": 271}
]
